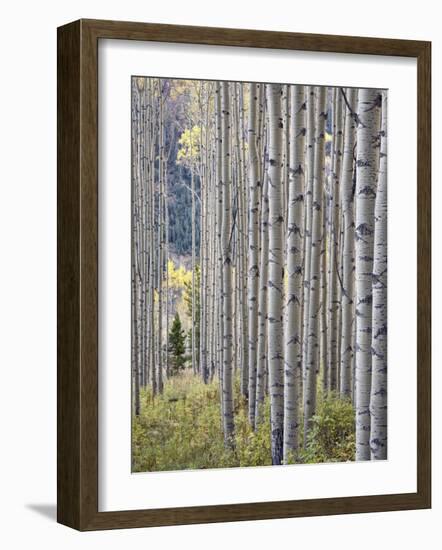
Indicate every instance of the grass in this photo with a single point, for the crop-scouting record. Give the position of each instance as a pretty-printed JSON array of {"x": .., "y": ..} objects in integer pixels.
[{"x": 182, "y": 429}]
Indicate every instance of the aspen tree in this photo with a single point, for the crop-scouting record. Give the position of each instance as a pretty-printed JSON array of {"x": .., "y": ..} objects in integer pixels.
[
  {"x": 153, "y": 256},
  {"x": 366, "y": 174},
  {"x": 333, "y": 254},
  {"x": 261, "y": 368},
  {"x": 219, "y": 231},
  {"x": 226, "y": 169},
  {"x": 160, "y": 238},
  {"x": 293, "y": 324},
  {"x": 348, "y": 263},
  {"x": 378, "y": 398},
  {"x": 253, "y": 248},
  {"x": 275, "y": 276},
  {"x": 312, "y": 358},
  {"x": 310, "y": 161},
  {"x": 262, "y": 355},
  {"x": 193, "y": 216},
  {"x": 135, "y": 285}
]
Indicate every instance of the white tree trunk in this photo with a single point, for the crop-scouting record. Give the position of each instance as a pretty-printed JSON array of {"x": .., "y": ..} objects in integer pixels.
[
  {"x": 293, "y": 324},
  {"x": 227, "y": 382},
  {"x": 275, "y": 280},
  {"x": 308, "y": 194},
  {"x": 219, "y": 237},
  {"x": 378, "y": 400},
  {"x": 160, "y": 241},
  {"x": 335, "y": 210},
  {"x": 366, "y": 174},
  {"x": 253, "y": 249},
  {"x": 348, "y": 267},
  {"x": 312, "y": 366},
  {"x": 261, "y": 369}
]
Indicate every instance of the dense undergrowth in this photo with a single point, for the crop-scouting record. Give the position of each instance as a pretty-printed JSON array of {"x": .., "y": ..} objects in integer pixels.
[{"x": 182, "y": 429}]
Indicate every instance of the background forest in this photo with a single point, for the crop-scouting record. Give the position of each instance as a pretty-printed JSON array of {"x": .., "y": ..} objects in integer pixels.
[{"x": 259, "y": 274}]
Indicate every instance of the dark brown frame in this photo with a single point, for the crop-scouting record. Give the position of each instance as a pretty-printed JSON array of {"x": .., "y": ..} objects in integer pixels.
[{"x": 77, "y": 224}]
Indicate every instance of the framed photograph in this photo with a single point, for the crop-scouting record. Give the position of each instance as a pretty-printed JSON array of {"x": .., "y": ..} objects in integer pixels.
[{"x": 243, "y": 275}]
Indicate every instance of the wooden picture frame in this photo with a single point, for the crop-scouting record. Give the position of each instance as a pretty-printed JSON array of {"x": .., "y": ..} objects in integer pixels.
[{"x": 77, "y": 224}]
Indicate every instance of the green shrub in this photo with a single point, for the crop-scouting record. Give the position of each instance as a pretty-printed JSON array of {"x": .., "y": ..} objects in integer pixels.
[
  {"x": 182, "y": 429},
  {"x": 332, "y": 434}
]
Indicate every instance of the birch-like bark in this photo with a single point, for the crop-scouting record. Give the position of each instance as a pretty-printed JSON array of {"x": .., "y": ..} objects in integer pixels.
[
  {"x": 193, "y": 216},
  {"x": 136, "y": 367},
  {"x": 333, "y": 255},
  {"x": 308, "y": 194},
  {"x": 253, "y": 249},
  {"x": 244, "y": 236},
  {"x": 153, "y": 217},
  {"x": 241, "y": 241},
  {"x": 204, "y": 237},
  {"x": 166, "y": 248},
  {"x": 227, "y": 382},
  {"x": 219, "y": 237},
  {"x": 293, "y": 324},
  {"x": 275, "y": 279},
  {"x": 378, "y": 399},
  {"x": 147, "y": 207},
  {"x": 261, "y": 368},
  {"x": 202, "y": 249},
  {"x": 324, "y": 293},
  {"x": 348, "y": 263},
  {"x": 366, "y": 174},
  {"x": 143, "y": 235},
  {"x": 160, "y": 241},
  {"x": 311, "y": 366}
]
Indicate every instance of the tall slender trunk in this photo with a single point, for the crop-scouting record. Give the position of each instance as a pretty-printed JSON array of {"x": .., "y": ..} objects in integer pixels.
[
  {"x": 334, "y": 298},
  {"x": 366, "y": 174},
  {"x": 143, "y": 233},
  {"x": 153, "y": 257},
  {"x": 253, "y": 250},
  {"x": 324, "y": 294},
  {"x": 241, "y": 237},
  {"x": 227, "y": 381},
  {"x": 146, "y": 232},
  {"x": 193, "y": 216},
  {"x": 276, "y": 279},
  {"x": 308, "y": 194},
  {"x": 166, "y": 248},
  {"x": 261, "y": 367},
  {"x": 293, "y": 324},
  {"x": 262, "y": 353},
  {"x": 348, "y": 263},
  {"x": 286, "y": 156},
  {"x": 311, "y": 366},
  {"x": 244, "y": 235},
  {"x": 135, "y": 245},
  {"x": 219, "y": 242},
  {"x": 204, "y": 215},
  {"x": 378, "y": 399},
  {"x": 160, "y": 241}
]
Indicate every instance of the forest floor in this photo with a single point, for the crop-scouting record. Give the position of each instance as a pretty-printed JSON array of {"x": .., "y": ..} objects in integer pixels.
[{"x": 182, "y": 430}]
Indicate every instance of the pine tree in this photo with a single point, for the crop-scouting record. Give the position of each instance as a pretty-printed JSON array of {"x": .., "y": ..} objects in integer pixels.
[{"x": 176, "y": 350}]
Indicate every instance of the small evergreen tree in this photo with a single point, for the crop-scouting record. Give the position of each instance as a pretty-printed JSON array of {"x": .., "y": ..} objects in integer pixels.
[{"x": 177, "y": 357}]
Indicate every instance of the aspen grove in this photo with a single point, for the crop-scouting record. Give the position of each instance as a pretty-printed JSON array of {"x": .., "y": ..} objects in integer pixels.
[{"x": 259, "y": 274}]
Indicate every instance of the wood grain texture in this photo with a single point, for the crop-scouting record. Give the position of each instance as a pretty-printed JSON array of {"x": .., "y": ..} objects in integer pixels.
[
  {"x": 68, "y": 276},
  {"x": 77, "y": 226},
  {"x": 424, "y": 273}
]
